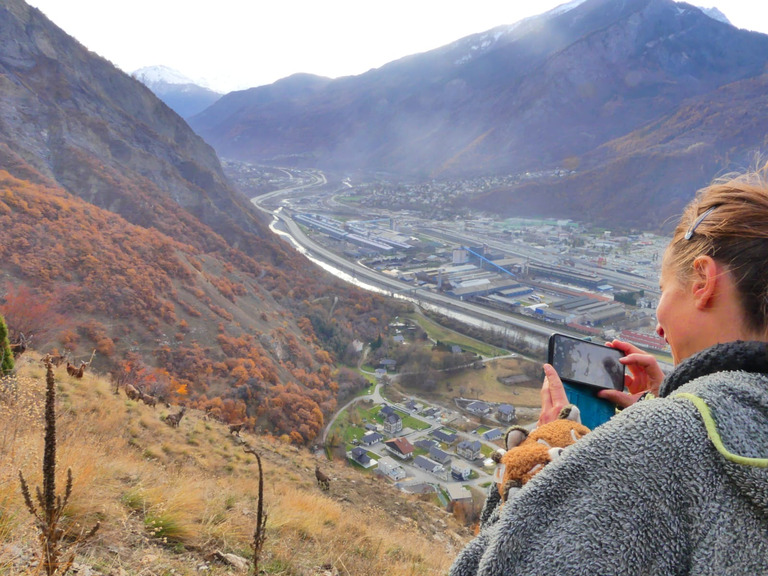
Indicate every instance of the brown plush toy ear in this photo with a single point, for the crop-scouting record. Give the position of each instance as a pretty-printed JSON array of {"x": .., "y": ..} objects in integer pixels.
[
  {"x": 516, "y": 435},
  {"x": 527, "y": 453}
]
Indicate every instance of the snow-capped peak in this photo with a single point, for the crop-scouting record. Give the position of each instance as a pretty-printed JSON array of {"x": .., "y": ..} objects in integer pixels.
[
  {"x": 567, "y": 7},
  {"x": 151, "y": 75},
  {"x": 715, "y": 14},
  {"x": 479, "y": 43}
]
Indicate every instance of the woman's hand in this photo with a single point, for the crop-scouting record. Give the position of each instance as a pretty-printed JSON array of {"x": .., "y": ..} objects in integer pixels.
[
  {"x": 645, "y": 375},
  {"x": 553, "y": 397}
]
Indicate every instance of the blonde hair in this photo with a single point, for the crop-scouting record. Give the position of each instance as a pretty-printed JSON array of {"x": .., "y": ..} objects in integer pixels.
[{"x": 728, "y": 220}]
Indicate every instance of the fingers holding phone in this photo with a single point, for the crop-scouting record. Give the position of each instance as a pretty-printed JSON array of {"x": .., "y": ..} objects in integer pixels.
[
  {"x": 645, "y": 373},
  {"x": 553, "y": 396}
]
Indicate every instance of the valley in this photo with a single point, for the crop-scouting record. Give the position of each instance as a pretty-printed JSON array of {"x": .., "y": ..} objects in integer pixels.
[
  {"x": 477, "y": 270},
  {"x": 526, "y": 278}
]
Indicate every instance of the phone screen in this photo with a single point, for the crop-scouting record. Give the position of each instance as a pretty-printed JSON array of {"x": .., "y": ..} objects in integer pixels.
[{"x": 586, "y": 363}]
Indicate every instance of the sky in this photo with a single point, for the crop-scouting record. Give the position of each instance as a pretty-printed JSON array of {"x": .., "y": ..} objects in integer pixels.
[{"x": 237, "y": 44}]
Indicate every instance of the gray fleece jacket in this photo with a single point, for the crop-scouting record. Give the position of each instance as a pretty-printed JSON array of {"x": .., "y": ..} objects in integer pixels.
[{"x": 670, "y": 486}]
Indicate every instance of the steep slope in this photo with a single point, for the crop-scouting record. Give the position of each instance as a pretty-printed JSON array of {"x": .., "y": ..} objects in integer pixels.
[
  {"x": 106, "y": 138},
  {"x": 548, "y": 92},
  {"x": 645, "y": 178},
  {"x": 121, "y": 235},
  {"x": 168, "y": 498}
]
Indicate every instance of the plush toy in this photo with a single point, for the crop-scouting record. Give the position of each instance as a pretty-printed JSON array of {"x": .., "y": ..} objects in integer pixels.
[{"x": 527, "y": 453}]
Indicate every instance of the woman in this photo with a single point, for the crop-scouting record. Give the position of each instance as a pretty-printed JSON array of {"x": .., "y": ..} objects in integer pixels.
[{"x": 676, "y": 484}]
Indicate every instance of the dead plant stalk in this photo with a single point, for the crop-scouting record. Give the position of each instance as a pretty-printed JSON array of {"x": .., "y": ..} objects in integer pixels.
[{"x": 48, "y": 517}]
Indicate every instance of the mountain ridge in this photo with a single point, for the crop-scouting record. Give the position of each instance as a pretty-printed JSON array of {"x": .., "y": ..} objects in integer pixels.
[
  {"x": 120, "y": 228},
  {"x": 547, "y": 93}
]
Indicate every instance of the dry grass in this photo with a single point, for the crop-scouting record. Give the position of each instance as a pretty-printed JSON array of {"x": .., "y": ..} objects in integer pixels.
[{"x": 168, "y": 497}]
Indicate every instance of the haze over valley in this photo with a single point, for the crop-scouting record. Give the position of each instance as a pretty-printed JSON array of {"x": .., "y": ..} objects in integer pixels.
[{"x": 209, "y": 250}]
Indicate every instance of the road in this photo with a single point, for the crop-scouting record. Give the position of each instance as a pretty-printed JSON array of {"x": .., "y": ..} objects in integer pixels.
[{"x": 535, "y": 334}]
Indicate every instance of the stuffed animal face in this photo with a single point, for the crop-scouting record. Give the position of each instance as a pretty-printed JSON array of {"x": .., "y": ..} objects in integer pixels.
[{"x": 528, "y": 453}]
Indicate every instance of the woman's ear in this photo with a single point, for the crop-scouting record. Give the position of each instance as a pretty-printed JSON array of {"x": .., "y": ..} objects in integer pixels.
[{"x": 705, "y": 279}]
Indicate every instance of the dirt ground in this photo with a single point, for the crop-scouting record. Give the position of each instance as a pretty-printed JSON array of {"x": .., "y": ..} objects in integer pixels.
[{"x": 502, "y": 380}]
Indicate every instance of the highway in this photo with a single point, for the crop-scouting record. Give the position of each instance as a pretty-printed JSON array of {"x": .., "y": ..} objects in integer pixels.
[{"x": 534, "y": 333}]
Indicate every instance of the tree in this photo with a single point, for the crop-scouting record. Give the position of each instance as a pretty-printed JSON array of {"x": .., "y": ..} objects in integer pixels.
[
  {"x": 29, "y": 315},
  {"x": 6, "y": 366}
]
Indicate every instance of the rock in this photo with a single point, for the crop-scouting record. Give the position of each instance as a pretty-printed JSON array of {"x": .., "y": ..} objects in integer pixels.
[
  {"x": 81, "y": 569},
  {"x": 325, "y": 570},
  {"x": 237, "y": 562}
]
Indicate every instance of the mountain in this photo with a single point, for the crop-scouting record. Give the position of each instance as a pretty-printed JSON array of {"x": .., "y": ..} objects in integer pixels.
[
  {"x": 182, "y": 95},
  {"x": 122, "y": 241},
  {"x": 561, "y": 90}
]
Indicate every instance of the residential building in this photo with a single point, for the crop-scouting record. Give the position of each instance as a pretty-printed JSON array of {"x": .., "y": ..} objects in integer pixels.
[
  {"x": 370, "y": 438},
  {"x": 393, "y": 423},
  {"x": 479, "y": 408},
  {"x": 443, "y": 435},
  {"x": 439, "y": 456},
  {"x": 431, "y": 412},
  {"x": 469, "y": 449},
  {"x": 458, "y": 493},
  {"x": 460, "y": 470},
  {"x": 425, "y": 444},
  {"x": 391, "y": 469},
  {"x": 400, "y": 447},
  {"x": 492, "y": 434},
  {"x": 412, "y": 405},
  {"x": 389, "y": 364},
  {"x": 429, "y": 465},
  {"x": 360, "y": 455},
  {"x": 505, "y": 413},
  {"x": 386, "y": 410}
]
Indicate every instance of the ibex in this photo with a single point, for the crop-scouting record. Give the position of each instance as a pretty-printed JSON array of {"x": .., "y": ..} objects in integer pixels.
[
  {"x": 322, "y": 480},
  {"x": 132, "y": 392},
  {"x": 147, "y": 399},
  {"x": 77, "y": 372},
  {"x": 235, "y": 428},
  {"x": 173, "y": 419}
]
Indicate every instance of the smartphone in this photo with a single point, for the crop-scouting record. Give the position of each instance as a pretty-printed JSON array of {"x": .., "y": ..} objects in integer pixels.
[
  {"x": 586, "y": 364},
  {"x": 586, "y": 367}
]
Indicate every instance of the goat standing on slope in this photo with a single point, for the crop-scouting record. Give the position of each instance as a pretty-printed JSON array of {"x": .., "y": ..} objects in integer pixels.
[
  {"x": 132, "y": 392},
  {"x": 322, "y": 480},
  {"x": 148, "y": 399},
  {"x": 173, "y": 419},
  {"x": 77, "y": 372}
]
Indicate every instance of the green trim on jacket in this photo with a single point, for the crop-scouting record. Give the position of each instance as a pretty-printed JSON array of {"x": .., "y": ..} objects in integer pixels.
[{"x": 714, "y": 435}]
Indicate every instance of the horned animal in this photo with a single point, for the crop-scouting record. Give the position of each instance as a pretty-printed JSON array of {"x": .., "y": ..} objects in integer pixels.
[
  {"x": 322, "y": 480},
  {"x": 55, "y": 359},
  {"x": 18, "y": 348},
  {"x": 147, "y": 399},
  {"x": 173, "y": 419},
  {"x": 78, "y": 371},
  {"x": 235, "y": 428},
  {"x": 132, "y": 392}
]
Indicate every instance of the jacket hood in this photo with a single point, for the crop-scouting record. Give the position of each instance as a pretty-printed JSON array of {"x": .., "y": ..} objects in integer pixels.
[{"x": 728, "y": 385}]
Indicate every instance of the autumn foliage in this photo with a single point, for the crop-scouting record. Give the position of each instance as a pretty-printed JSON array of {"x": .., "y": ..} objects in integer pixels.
[{"x": 195, "y": 320}]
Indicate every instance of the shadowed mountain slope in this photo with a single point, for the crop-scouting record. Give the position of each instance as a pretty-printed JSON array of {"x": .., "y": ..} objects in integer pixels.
[
  {"x": 121, "y": 240},
  {"x": 551, "y": 91}
]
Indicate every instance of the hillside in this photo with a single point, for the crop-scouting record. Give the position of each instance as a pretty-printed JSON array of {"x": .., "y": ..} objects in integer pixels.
[
  {"x": 167, "y": 498},
  {"x": 122, "y": 241},
  {"x": 582, "y": 88},
  {"x": 221, "y": 330}
]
